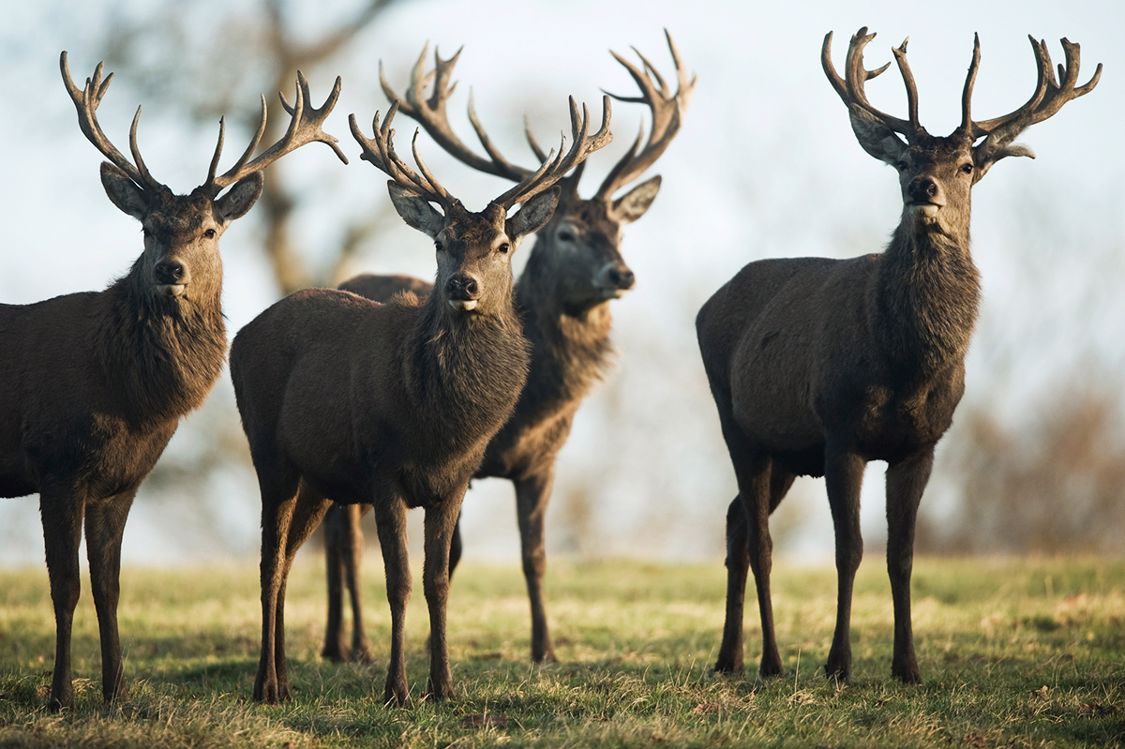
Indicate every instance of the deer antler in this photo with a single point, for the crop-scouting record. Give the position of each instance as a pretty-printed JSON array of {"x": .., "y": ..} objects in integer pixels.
[
  {"x": 86, "y": 101},
  {"x": 851, "y": 88},
  {"x": 432, "y": 114},
  {"x": 553, "y": 170},
  {"x": 304, "y": 127},
  {"x": 1048, "y": 98},
  {"x": 380, "y": 151},
  {"x": 667, "y": 115}
]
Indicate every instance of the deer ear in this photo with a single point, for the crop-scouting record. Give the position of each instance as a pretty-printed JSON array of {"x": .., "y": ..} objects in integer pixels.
[
  {"x": 240, "y": 198},
  {"x": 123, "y": 191},
  {"x": 633, "y": 204},
  {"x": 876, "y": 138},
  {"x": 415, "y": 210},
  {"x": 534, "y": 213},
  {"x": 989, "y": 152}
]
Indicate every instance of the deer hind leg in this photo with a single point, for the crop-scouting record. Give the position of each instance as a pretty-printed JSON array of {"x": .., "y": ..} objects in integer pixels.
[
  {"x": 307, "y": 513},
  {"x": 335, "y": 645},
  {"x": 390, "y": 521},
  {"x": 352, "y": 558},
  {"x": 105, "y": 525},
  {"x": 278, "y": 502},
  {"x": 843, "y": 473},
  {"x": 532, "y": 494},
  {"x": 755, "y": 491},
  {"x": 441, "y": 520},
  {"x": 737, "y": 562},
  {"x": 61, "y": 510},
  {"x": 906, "y": 481}
]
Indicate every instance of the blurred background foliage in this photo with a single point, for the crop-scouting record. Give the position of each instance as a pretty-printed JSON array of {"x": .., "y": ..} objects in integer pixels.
[{"x": 766, "y": 166}]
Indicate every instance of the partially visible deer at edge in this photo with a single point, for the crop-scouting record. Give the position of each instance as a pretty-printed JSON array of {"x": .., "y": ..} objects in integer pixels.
[
  {"x": 93, "y": 384},
  {"x": 347, "y": 399},
  {"x": 574, "y": 270},
  {"x": 818, "y": 366}
]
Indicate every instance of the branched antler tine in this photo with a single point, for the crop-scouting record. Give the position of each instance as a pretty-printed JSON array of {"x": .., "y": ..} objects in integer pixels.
[
  {"x": 615, "y": 173},
  {"x": 86, "y": 102},
  {"x": 136, "y": 151},
  {"x": 241, "y": 162},
  {"x": 908, "y": 80},
  {"x": 653, "y": 72},
  {"x": 970, "y": 81},
  {"x": 443, "y": 71},
  {"x": 535, "y": 147},
  {"x": 850, "y": 88},
  {"x": 830, "y": 68},
  {"x": 648, "y": 93},
  {"x": 211, "y": 170},
  {"x": 499, "y": 165},
  {"x": 434, "y": 185},
  {"x": 683, "y": 84}
]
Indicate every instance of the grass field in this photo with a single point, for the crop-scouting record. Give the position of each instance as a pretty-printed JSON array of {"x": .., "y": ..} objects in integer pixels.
[{"x": 1013, "y": 653}]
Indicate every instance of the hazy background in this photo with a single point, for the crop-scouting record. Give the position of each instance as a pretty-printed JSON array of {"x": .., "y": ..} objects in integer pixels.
[{"x": 766, "y": 166}]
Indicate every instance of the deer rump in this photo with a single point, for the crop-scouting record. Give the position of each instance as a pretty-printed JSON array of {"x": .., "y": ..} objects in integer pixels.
[{"x": 795, "y": 352}]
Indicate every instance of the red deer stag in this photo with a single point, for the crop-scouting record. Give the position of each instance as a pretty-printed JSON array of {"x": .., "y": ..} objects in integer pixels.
[
  {"x": 574, "y": 269},
  {"x": 818, "y": 366},
  {"x": 92, "y": 385},
  {"x": 392, "y": 404}
]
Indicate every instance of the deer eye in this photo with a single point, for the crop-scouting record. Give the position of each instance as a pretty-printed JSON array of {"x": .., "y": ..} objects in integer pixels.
[
  {"x": 966, "y": 168},
  {"x": 503, "y": 249},
  {"x": 438, "y": 245},
  {"x": 566, "y": 236},
  {"x": 901, "y": 164},
  {"x": 209, "y": 234}
]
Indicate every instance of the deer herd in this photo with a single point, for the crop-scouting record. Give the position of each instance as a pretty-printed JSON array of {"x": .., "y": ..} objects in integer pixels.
[{"x": 390, "y": 393}]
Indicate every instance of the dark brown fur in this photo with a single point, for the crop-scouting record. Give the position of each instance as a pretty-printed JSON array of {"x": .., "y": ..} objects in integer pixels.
[
  {"x": 574, "y": 270},
  {"x": 389, "y": 404},
  {"x": 818, "y": 366},
  {"x": 92, "y": 387}
]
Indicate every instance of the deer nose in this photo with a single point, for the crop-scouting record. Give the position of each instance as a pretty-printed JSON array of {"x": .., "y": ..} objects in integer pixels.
[
  {"x": 462, "y": 286},
  {"x": 923, "y": 190},
  {"x": 621, "y": 277},
  {"x": 169, "y": 272}
]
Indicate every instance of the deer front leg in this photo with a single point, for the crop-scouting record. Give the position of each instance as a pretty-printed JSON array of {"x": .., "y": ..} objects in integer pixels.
[
  {"x": 61, "y": 510},
  {"x": 308, "y": 511},
  {"x": 441, "y": 521},
  {"x": 277, "y": 511},
  {"x": 906, "y": 481},
  {"x": 390, "y": 521},
  {"x": 532, "y": 494},
  {"x": 843, "y": 472},
  {"x": 105, "y": 525}
]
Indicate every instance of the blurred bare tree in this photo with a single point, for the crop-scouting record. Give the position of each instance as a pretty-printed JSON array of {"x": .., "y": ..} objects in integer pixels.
[{"x": 246, "y": 50}]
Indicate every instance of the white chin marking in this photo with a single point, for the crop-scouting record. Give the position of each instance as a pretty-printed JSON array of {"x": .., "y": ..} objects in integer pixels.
[
  {"x": 464, "y": 305},
  {"x": 929, "y": 211},
  {"x": 171, "y": 289}
]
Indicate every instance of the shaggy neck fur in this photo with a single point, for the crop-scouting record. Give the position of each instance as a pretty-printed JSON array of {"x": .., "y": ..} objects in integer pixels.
[
  {"x": 926, "y": 301},
  {"x": 465, "y": 370},
  {"x": 570, "y": 350},
  {"x": 160, "y": 357}
]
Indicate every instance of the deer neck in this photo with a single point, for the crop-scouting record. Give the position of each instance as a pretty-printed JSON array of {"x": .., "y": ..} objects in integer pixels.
[
  {"x": 926, "y": 300},
  {"x": 570, "y": 349},
  {"x": 465, "y": 372},
  {"x": 160, "y": 357}
]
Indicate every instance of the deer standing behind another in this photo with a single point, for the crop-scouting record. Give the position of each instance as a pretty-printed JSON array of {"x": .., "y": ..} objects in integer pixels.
[
  {"x": 818, "y": 366},
  {"x": 574, "y": 270},
  {"x": 347, "y": 399},
  {"x": 93, "y": 385}
]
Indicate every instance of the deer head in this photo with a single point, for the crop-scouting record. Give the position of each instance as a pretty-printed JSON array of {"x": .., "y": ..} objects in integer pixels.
[
  {"x": 474, "y": 250},
  {"x": 937, "y": 173},
  {"x": 181, "y": 263},
  {"x": 582, "y": 240}
]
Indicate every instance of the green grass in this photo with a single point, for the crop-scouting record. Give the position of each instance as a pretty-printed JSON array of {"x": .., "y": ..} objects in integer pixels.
[{"x": 1012, "y": 652}]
